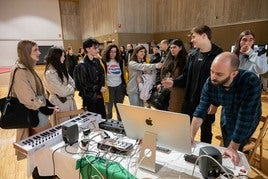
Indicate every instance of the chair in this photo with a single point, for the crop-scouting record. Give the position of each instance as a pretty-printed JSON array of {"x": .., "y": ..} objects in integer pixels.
[
  {"x": 60, "y": 115},
  {"x": 258, "y": 172},
  {"x": 250, "y": 149},
  {"x": 255, "y": 143}
]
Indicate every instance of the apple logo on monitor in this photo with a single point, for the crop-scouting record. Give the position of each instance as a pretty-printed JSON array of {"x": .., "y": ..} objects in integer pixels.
[{"x": 149, "y": 121}]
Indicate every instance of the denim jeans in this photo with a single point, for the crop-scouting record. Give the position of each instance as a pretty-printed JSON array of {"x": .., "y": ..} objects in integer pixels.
[{"x": 135, "y": 100}]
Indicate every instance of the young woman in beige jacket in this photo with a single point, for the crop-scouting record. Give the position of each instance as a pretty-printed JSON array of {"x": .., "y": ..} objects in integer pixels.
[
  {"x": 28, "y": 88},
  {"x": 58, "y": 82}
]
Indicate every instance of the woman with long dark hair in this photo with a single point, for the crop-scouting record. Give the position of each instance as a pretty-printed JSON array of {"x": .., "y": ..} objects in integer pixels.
[
  {"x": 58, "y": 82},
  {"x": 173, "y": 67},
  {"x": 115, "y": 78}
]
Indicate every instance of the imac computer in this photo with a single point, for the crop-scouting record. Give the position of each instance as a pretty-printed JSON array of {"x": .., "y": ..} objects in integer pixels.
[{"x": 155, "y": 127}]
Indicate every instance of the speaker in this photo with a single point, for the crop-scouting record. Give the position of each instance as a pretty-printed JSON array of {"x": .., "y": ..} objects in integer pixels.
[
  {"x": 70, "y": 133},
  {"x": 208, "y": 167}
]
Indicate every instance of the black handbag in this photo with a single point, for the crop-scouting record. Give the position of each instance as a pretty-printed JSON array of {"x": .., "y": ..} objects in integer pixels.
[
  {"x": 159, "y": 98},
  {"x": 14, "y": 114}
]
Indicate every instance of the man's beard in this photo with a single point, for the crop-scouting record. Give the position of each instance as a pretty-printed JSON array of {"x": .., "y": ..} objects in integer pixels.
[{"x": 222, "y": 82}]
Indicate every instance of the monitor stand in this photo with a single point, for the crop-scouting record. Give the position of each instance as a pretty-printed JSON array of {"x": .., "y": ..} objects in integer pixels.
[{"x": 148, "y": 153}]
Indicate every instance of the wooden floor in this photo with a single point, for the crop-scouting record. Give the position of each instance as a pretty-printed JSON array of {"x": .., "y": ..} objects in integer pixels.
[{"x": 11, "y": 168}]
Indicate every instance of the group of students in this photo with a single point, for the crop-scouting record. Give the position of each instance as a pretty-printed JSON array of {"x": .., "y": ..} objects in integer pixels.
[
  {"x": 199, "y": 81},
  {"x": 204, "y": 79},
  {"x": 212, "y": 78},
  {"x": 56, "y": 91}
]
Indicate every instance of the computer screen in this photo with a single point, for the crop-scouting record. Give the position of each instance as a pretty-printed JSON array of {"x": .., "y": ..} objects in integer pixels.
[{"x": 172, "y": 129}]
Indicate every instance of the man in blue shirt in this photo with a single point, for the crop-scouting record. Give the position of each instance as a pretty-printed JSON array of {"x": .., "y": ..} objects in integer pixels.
[{"x": 239, "y": 94}]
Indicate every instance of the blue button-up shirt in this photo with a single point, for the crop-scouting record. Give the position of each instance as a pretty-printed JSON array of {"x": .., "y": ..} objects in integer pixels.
[{"x": 241, "y": 105}]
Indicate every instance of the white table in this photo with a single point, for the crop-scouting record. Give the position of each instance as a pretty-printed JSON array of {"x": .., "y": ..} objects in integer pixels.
[{"x": 174, "y": 164}]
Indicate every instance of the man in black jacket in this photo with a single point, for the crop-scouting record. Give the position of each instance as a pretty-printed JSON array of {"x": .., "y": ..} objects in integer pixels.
[
  {"x": 195, "y": 75},
  {"x": 89, "y": 78}
]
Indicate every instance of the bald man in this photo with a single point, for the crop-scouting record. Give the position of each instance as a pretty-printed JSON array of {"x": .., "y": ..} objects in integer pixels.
[
  {"x": 239, "y": 94},
  {"x": 164, "y": 49}
]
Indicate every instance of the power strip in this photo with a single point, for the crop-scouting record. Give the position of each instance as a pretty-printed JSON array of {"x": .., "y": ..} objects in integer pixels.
[{"x": 118, "y": 147}]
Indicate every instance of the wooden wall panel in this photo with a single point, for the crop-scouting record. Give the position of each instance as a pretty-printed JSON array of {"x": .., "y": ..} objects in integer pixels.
[
  {"x": 75, "y": 44},
  {"x": 97, "y": 17},
  {"x": 224, "y": 36},
  {"x": 70, "y": 20},
  {"x": 128, "y": 21},
  {"x": 245, "y": 10},
  {"x": 134, "y": 16},
  {"x": 125, "y": 38},
  {"x": 112, "y": 16},
  {"x": 134, "y": 38},
  {"x": 174, "y": 15},
  {"x": 154, "y": 16},
  {"x": 109, "y": 38}
]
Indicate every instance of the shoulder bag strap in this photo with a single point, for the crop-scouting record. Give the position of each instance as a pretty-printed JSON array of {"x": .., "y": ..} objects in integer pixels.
[{"x": 12, "y": 82}]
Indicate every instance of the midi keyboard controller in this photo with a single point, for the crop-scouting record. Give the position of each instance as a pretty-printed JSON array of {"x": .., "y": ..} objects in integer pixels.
[{"x": 53, "y": 135}]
